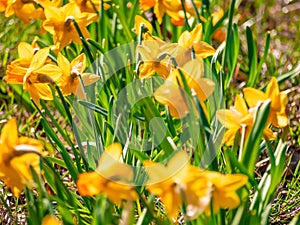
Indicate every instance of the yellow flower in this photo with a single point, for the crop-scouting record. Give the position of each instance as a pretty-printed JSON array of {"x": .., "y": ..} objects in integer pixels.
[
  {"x": 91, "y": 6},
  {"x": 236, "y": 118},
  {"x": 47, "y": 3},
  {"x": 277, "y": 115},
  {"x": 224, "y": 188},
  {"x": 189, "y": 40},
  {"x": 111, "y": 177},
  {"x": 16, "y": 71},
  {"x": 172, "y": 94},
  {"x": 17, "y": 154},
  {"x": 34, "y": 70},
  {"x": 150, "y": 50},
  {"x": 171, "y": 7},
  {"x": 50, "y": 220},
  {"x": 24, "y": 9},
  {"x": 59, "y": 23},
  {"x": 178, "y": 183},
  {"x": 39, "y": 75},
  {"x": 69, "y": 82}
]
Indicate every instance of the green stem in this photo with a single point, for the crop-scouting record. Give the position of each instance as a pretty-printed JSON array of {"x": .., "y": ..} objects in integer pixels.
[
  {"x": 186, "y": 21},
  {"x": 196, "y": 11},
  {"x": 231, "y": 12},
  {"x": 242, "y": 141}
]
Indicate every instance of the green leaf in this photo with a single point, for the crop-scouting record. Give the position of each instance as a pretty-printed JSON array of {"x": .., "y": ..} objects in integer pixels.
[
  {"x": 252, "y": 55},
  {"x": 251, "y": 150}
]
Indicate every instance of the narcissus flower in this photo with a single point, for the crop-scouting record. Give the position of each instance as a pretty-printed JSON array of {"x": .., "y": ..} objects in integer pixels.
[
  {"x": 178, "y": 183},
  {"x": 172, "y": 94},
  {"x": 25, "y": 10},
  {"x": 16, "y": 71},
  {"x": 59, "y": 23},
  {"x": 150, "y": 51},
  {"x": 39, "y": 75},
  {"x": 236, "y": 118},
  {"x": 189, "y": 40},
  {"x": 277, "y": 115},
  {"x": 111, "y": 178},
  {"x": 224, "y": 189},
  {"x": 34, "y": 70},
  {"x": 17, "y": 154},
  {"x": 171, "y": 7},
  {"x": 91, "y": 6},
  {"x": 69, "y": 82}
]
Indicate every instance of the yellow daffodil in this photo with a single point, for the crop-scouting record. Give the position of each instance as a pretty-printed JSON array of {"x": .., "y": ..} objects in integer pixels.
[
  {"x": 171, "y": 7},
  {"x": 69, "y": 82},
  {"x": 24, "y": 9},
  {"x": 150, "y": 50},
  {"x": 111, "y": 177},
  {"x": 50, "y": 220},
  {"x": 180, "y": 21},
  {"x": 59, "y": 23},
  {"x": 277, "y": 115},
  {"x": 47, "y": 3},
  {"x": 178, "y": 183},
  {"x": 91, "y": 6},
  {"x": 39, "y": 75},
  {"x": 172, "y": 94},
  {"x": 224, "y": 189},
  {"x": 17, "y": 154},
  {"x": 16, "y": 71},
  {"x": 189, "y": 40},
  {"x": 236, "y": 118},
  {"x": 34, "y": 70}
]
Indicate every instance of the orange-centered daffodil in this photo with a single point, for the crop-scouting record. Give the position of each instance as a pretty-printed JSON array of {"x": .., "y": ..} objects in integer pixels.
[
  {"x": 16, "y": 71},
  {"x": 39, "y": 75}
]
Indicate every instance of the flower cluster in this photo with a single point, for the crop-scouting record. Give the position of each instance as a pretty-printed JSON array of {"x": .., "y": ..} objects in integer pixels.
[
  {"x": 35, "y": 70},
  {"x": 176, "y": 184},
  {"x": 169, "y": 61},
  {"x": 101, "y": 178}
]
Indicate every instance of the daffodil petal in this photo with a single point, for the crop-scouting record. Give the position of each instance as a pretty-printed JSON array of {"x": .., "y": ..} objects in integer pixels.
[
  {"x": 25, "y": 50},
  {"x": 89, "y": 78},
  {"x": 253, "y": 96}
]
